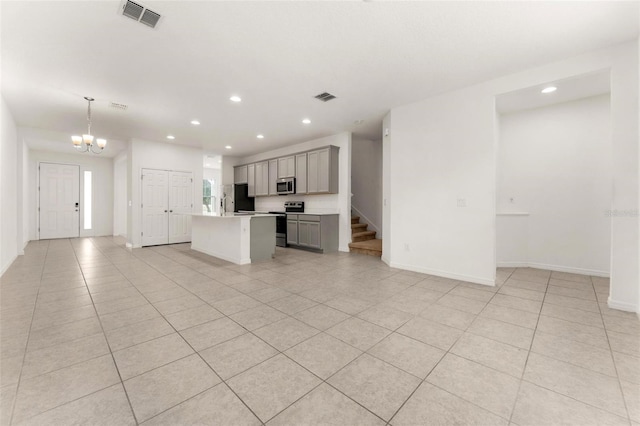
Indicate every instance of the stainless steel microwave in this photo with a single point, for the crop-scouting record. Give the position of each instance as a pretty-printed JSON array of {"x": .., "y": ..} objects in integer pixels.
[{"x": 286, "y": 186}]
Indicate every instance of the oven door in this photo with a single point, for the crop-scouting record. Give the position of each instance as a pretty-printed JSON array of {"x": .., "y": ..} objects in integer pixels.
[{"x": 281, "y": 230}]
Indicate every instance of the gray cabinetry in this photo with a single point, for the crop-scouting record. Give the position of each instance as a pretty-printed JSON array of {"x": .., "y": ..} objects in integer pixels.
[
  {"x": 251, "y": 179},
  {"x": 240, "y": 174},
  {"x": 273, "y": 177},
  {"x": 286, "y": 167},
  {"x": 313, "y": 232},
  {"x": 262, "y": 178},
  {"x": 322, "y": 171},
  {"x": 301, "y": 173},
  {"x": 292, "y": 229}
]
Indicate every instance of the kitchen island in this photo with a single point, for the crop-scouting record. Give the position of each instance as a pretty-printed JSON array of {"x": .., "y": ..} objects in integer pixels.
[{"x": 239, "y": 238}]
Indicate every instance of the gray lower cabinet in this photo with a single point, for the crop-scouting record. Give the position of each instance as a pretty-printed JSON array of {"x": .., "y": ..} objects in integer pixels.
[
  {"x": 292, "y": 229},
  {"x": 314, "y": 232}
]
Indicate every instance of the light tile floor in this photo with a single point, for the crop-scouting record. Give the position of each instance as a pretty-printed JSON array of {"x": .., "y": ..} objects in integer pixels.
[{"x": 93, "y": 333}]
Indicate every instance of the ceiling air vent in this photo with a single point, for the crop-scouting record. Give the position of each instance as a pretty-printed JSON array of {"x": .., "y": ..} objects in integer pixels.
[
  {"x": 150, "y": 18},
  {"x": 140, "y": 13},
  {"x": 116, "y": 105},
  {"x": 324, "y": 97}
]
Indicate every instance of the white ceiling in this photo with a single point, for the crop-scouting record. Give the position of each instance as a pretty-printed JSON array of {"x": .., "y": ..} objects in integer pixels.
[
  {"x": 570, "y": 89},
  {"x": 276, "y": 55}
]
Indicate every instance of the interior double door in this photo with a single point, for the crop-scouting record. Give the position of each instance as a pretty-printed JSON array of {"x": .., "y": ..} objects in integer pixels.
[{"x": 167, "y": 204}]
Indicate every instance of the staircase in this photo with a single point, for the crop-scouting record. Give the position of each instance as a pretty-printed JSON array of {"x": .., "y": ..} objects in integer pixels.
[{"x": 364, "y": 241}]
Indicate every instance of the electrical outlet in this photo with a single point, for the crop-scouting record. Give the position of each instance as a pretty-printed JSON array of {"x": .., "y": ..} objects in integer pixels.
[
  {"x": 462, "y": 202},
  {"x": 406, "y": 247}
]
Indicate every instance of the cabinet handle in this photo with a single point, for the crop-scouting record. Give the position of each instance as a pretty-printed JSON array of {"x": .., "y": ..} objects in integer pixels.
[
  {"x": 165, "y": 211},
  {"x": 170, "y": 211}
]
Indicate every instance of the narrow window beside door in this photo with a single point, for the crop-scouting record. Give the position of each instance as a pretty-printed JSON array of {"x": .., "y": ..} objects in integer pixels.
[{"x": 87, "y": 200}]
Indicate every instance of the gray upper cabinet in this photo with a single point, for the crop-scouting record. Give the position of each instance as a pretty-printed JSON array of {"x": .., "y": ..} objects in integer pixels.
[
  {"x": 286, "y": 167},
  {"x": 240, "y": 174},
  {"x": 322, "y": 171},
  {"x": 301, "y": 173},
  {"x": 251, "y": 179},
  {"x": 273, "y": 176},
  {"x": 316, "y": 172},
  {"x": 262, "y": 178}
]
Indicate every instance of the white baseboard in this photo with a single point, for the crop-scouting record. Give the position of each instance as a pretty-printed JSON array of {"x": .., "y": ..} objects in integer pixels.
[
  {"x": 128, "y": 245},
  {"x": 366, "y": 220},
  {"x": 557, "y": 268},
  {"x": 385, "y": 260},
  {"x": 237, "y": 261},
  {"x": 445, "y": 274},
  {"x": 622, "y": 306}
]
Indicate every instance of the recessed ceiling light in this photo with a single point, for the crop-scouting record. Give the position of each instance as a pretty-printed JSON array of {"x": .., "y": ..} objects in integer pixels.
[
  {"x": 549, "y": 89},
  {"x": 170, "y": 137},
  {"x": 260, "y": 136},
  {"x": 195, "y": 122},
  {"x": 235, "y": 98},
  {"x": 227, "y": 147},
  {"x": 306, "y": 121}
]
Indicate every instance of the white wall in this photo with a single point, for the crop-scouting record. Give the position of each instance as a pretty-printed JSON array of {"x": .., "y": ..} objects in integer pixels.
[
  {"x": 120, "y": 194},
  {"x": 162, "y": 156},
  {"x": 102, "y": 192},
  {"x": 327, "y": 203},
  {"x": 366, "y": 182},
  {"x": 444, "y": 148},
  {"x": 434, "y": 162},
  {"x": 555, "y": 164},
  {"x": 9, "y": 245}
]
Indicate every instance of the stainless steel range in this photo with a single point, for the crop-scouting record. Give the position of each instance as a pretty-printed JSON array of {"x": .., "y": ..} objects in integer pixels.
[{"x": 281, "y": 220}]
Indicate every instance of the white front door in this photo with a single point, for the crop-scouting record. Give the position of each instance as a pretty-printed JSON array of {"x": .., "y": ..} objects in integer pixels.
[
  {"x": 59, "y": 201},
  {"x": 180, "y": 206},
  {"x": 155, "y": 208}
]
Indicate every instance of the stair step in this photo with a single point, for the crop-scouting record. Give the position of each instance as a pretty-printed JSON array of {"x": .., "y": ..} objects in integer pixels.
[
  {"x": 370, "y": 247},
  {"x": 363, "y": 236},
  {"x": 358, "y": 227},
  {"x": 355, "y": 219}
]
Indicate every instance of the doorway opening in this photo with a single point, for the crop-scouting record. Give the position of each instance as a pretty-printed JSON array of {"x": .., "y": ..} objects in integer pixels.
[{"x": 554, "y": 177}]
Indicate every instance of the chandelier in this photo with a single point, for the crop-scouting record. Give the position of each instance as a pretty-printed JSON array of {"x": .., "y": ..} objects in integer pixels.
[{"x": 85, "y": 143}]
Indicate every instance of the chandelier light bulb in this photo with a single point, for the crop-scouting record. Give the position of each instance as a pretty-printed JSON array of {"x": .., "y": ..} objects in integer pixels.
[{"x": 87, "y": 138}]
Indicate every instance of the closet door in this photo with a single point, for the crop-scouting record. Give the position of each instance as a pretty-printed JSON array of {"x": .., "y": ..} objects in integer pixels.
[
  {"x": 155, "y": 208},
  {"x": 180, "y": 206}
]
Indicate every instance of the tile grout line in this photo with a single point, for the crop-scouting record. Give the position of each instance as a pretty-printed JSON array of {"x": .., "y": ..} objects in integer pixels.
[
  {"x": 441, "y": 358},
  {"x": 113, "y": 359},
  {"x": 524, "y": 367},
  {"x": 195, "y": 352},
  {"x": 613, "y": 359},
  {"x": 26, "y": 346}
]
